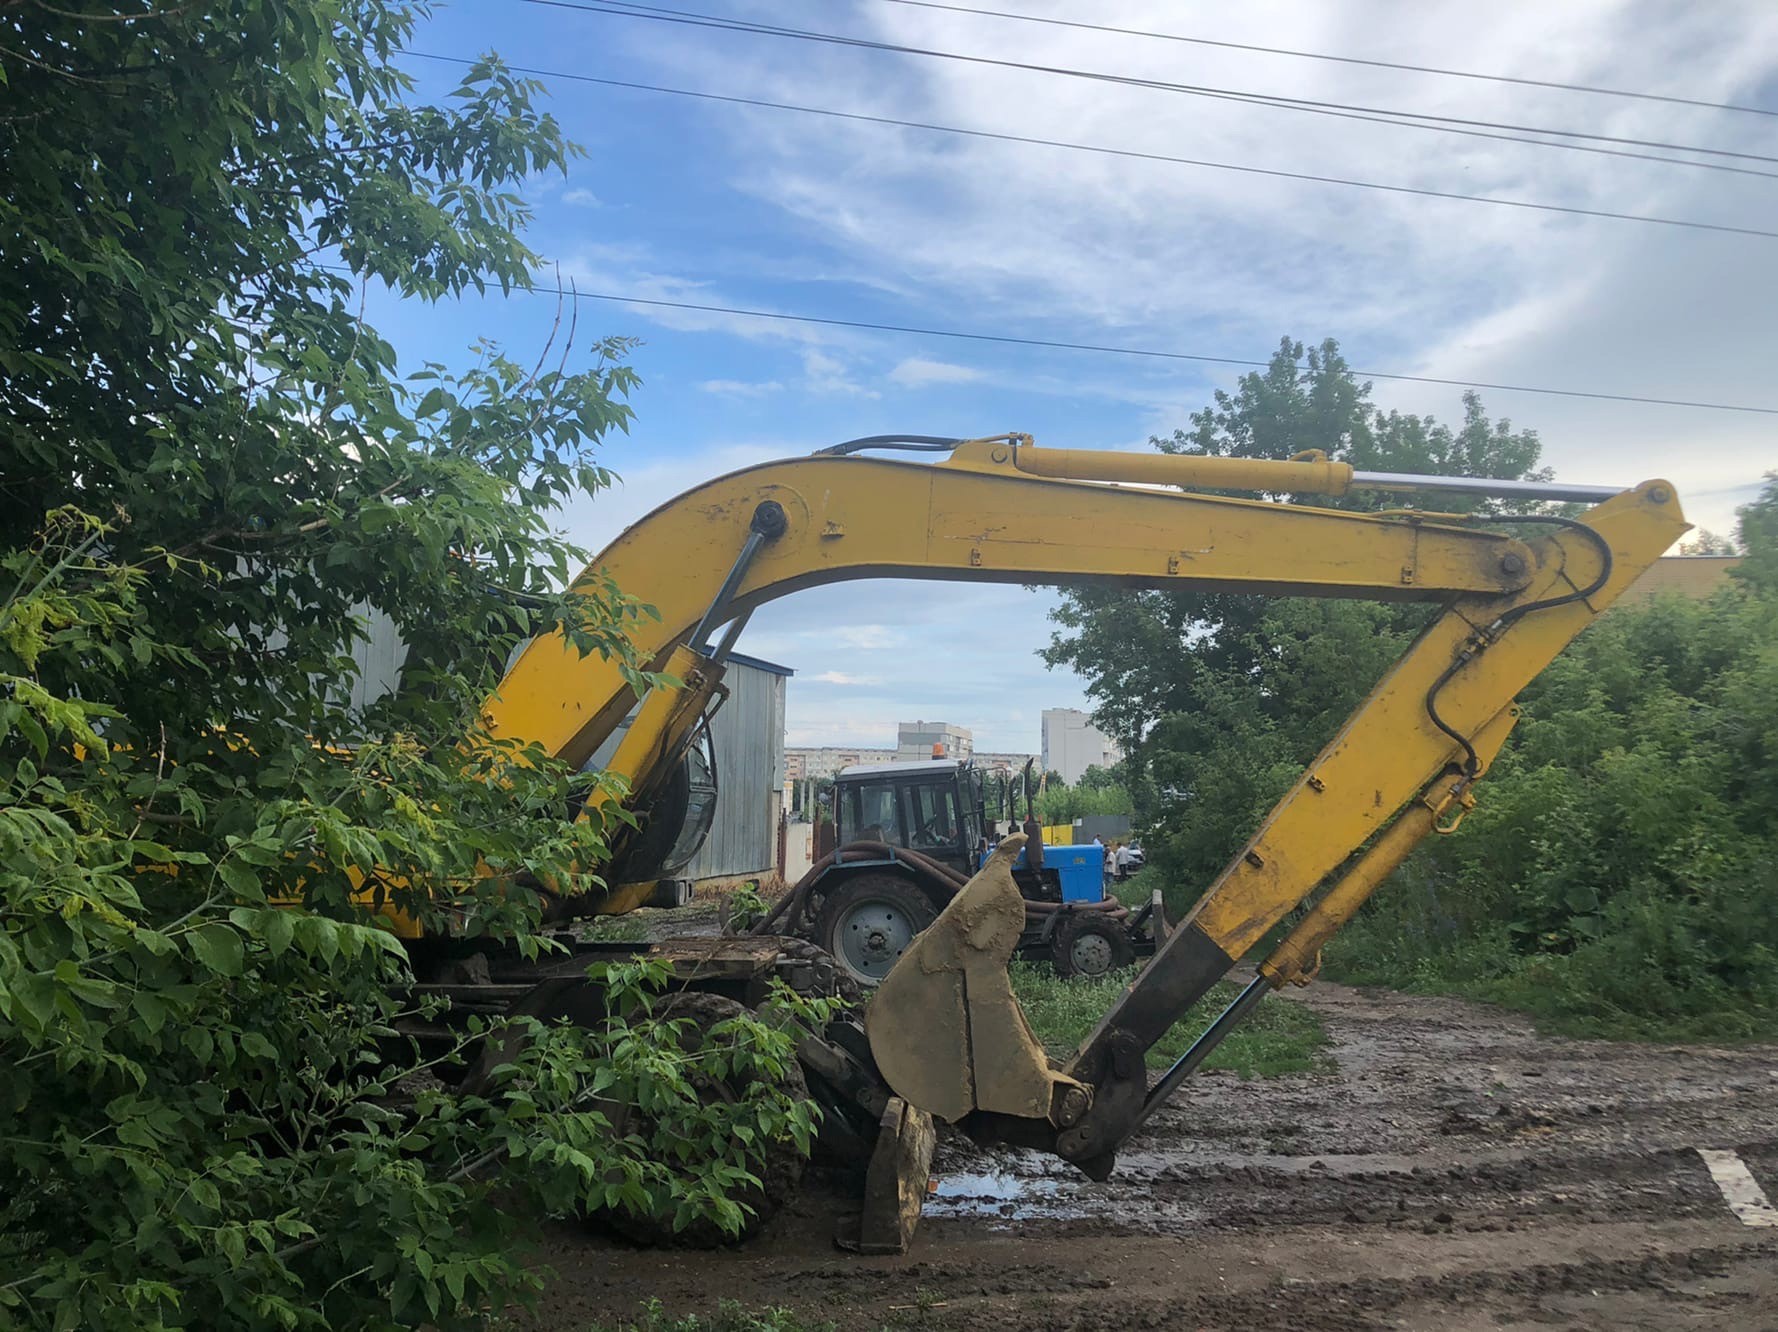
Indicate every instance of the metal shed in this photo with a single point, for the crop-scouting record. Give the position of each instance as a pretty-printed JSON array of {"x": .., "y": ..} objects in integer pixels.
[{"x": 748, "y": 733}]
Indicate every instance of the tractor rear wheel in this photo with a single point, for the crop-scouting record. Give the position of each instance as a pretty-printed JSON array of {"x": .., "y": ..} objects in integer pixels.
[{"x": 868, "y": 922}]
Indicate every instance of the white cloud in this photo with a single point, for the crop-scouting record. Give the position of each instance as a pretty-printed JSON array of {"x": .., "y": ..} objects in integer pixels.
[
  {"x": 583, "y": 198},
  {"x": 1150, "y": 253},
  {"x": 740, "y": 388},
  {"x": 841, "y": 678},
  {"x": 863, "y": 637},
  {"x": 923, "y": 229},
  {"x": 634, "y": 269},
  {"x": 867, "y": 732},
  {"x": 918, "y": 372},
  {"x": 825, "y": 373}
]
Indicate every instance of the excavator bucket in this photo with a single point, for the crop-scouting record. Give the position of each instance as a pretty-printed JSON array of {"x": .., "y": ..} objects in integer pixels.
[{"x": 946, "y": 1031}]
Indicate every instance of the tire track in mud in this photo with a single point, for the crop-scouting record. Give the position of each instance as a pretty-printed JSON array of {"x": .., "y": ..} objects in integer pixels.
[
  {"x": 1548, "y": 1170},
  {"x": 1455, "y": 1170}
]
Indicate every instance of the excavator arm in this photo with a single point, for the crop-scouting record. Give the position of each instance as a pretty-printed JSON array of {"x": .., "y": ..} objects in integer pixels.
[
  {"x": 1403, "y": 766},
  {"x": 944, "y": 1028}
]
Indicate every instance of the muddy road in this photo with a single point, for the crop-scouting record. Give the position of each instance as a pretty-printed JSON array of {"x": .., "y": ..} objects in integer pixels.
[{"x": 1453, "y": 1170}]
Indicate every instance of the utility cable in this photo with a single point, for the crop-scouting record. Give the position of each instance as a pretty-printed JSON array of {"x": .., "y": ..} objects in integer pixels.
[
  {"x": 1556, "y": 84},
  {"x": 1408, "y": 119},
  {"x": 1131, "y": 153},
  {"x": 1105, "y": 349}
]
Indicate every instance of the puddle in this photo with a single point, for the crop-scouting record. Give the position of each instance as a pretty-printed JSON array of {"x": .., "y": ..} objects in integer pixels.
[
  {"x": 1004, "y": 1200},
  {"x": 994, "y": 1187},
  {"x": 995, "y": 1195}
]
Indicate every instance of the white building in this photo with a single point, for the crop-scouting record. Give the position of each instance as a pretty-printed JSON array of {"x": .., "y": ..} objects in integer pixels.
[
  {"x": 821, "y": 761},
  {"x": 915, "y": 740},
  {"x": 1072, "y": 744}
]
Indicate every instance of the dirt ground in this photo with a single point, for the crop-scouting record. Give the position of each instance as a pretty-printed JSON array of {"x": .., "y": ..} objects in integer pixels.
[{"x": 1456, "y": 1171}]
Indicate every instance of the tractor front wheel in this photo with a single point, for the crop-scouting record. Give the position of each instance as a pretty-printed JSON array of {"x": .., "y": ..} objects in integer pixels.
[{"x": 1086, "y": 944}]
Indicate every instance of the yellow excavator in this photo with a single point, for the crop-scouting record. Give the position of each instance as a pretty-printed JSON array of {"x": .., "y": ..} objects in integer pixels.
[{"x": 943, "y": 1035}]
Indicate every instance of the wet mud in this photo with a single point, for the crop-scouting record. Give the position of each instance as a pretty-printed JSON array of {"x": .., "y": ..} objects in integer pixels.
[{"x": 1455, "y": 1170}]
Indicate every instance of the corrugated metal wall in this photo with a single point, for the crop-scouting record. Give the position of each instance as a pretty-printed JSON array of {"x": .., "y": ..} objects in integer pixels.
[
  {"x": 379, "y": 658},
  {"x": 749, "y": 738}
]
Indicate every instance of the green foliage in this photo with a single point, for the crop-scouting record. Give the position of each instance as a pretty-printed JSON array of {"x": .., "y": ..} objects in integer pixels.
[
  {"x": 1618, "y": 873},
  {"x": 1279, "y": 1037},
  {"x": 1759, "y": 539},
  {"x": 1137, "y": 891},
  {"x": 746, "y": 908},
  {"x": 1097, "y": 778},
  {"x": 669, "y": 1149},
  {"x": 1064, "y": 804},
  {"x": 210, "y": 471}
]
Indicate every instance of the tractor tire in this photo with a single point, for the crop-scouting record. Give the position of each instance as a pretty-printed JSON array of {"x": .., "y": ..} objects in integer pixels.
[
  {"x": 780, "y": 1172},
  {"x": 868, "y": 922},
  {"x": 1085, "y": 944}
]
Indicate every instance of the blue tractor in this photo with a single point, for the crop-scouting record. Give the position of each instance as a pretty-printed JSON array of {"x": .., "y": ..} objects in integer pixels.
[{"x": 909, "y": 835}]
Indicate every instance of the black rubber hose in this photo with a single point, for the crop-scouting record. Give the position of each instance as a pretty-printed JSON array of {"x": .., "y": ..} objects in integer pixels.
[
  {"x": 1472, "y": 763},
  {"x": 911, "y": 443},
  {"x": 790, "y": 906},
  {"x": 801, "y": 889}
]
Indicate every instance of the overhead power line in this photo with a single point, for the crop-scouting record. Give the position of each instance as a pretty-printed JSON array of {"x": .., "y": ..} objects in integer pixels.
[
  {"x": 1408, "y": 119},
  {"x": 1556, "y": 84},
  {"x": 1106, "y": 150},
  {"x": 1009, "y": 339}
]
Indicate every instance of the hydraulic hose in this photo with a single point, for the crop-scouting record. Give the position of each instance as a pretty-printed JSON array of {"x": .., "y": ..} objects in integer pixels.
[
  {"x": 1472, "y": 764},
  {"x": 790, "y": 907}
]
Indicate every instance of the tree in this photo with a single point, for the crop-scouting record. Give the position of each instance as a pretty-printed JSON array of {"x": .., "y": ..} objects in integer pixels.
[
  {"x": 1097, "y": 778},
  {"x": 210, "y": 468},
  {"x": 1064, "y": 804},
  {"x": 1758, "y": 523},
  {"x": 1705, "y": 542},
  {"x": 1219, "y": 699}
]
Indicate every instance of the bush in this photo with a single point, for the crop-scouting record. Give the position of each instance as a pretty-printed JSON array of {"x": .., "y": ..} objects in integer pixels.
[
  {"x": 1619, "y": 871},
  {"x": 1280, "y": 1037},
  {"x": 212, "y": 472}
]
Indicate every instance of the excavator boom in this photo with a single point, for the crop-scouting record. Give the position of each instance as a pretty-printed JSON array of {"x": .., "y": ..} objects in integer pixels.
[
  {"x": 977, "y": 517},
  {"x": 944, "y": 1027}
]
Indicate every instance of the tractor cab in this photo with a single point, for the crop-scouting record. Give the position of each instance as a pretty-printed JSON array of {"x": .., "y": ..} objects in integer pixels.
[
  {"x": 933, "y": 807},
  {"x": 866, "y": 901}
]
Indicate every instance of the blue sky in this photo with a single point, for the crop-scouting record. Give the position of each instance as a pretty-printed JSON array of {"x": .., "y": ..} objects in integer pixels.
[{"x": 685, "y": 200}]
